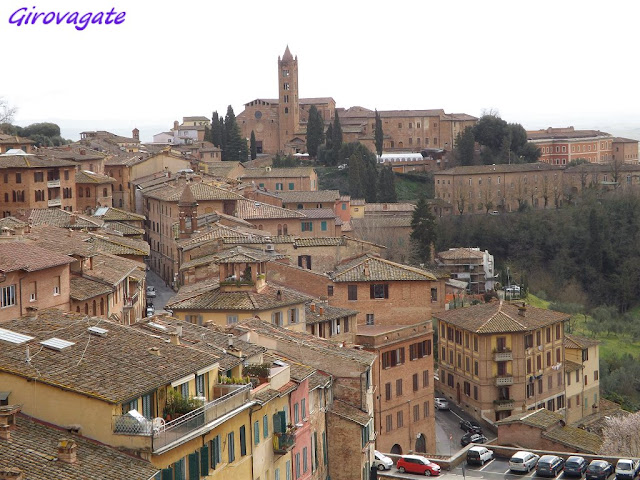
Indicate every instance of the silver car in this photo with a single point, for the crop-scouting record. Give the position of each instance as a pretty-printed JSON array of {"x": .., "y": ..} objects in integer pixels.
[
  {"x": 523, "y": 461},
  {"x": 441, "y": 403}
]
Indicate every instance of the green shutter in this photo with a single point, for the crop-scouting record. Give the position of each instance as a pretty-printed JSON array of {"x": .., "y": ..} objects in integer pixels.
[
  {"x": 279, "y": 422},
  {"x": 167, "y": 474},
  {"x": 194, "y": 466},
  {"x": 323, "y": 226},
  {"x": 204, "y": 460},
  {"x": 179, "y": 469},
  {"x": 256, "y": 431},
  {"x": 243, "y": 441}
]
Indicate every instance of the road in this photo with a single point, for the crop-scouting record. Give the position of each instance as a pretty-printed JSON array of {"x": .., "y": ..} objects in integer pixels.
[{"x": 163, "y": 292}]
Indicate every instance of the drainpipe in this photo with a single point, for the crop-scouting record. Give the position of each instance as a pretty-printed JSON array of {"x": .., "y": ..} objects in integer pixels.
[{"x": 20, "y": 285}]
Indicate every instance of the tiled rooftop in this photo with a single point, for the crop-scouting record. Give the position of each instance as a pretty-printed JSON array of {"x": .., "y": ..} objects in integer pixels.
[
  {"x": 295, "y": 172},
  {"x": 111, "y": 268},
  {"x": 461, "y": 254},
  {"x": 369, "y": 268},
  {"x": 32, "y": 161},
  {"x": 172, "y": 191},
  {"x": 498, "y": 317},
  {"x": 319, "y": 196},
  {"x": 61, "y": 218},
  {"x": 316, "y": 213},
  {"x": 112, "y": 214},
  {"x": 114, "y": 368},
  {"x": 500, "y": 168},
  {"x": 16, "y": 256},
  {"x": 85, "y": 176},
  {"x": 328, "y": 313},
  {"x": 577, "y": 342},
  {"x": 251, "y": 210},
  {"x": 33, "y": 449},
  {"x": 349, "y": 412},
  {"x": 83, "y": 289}
]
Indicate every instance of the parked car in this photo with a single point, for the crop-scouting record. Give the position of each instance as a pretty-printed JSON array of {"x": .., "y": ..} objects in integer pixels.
[
  {"x": 151, "y": 291},
  {"x": 150, "y": 311},
  {"x": 471, "y": 437},
  {"x": 417, "y": 464},
  {"x": 549, "y": 465},
  {"x": 479, "y": 455},
  {"x": 513, "y": 290},
  {"x": 381, "y": 461},
  {"x": 575, "y": 466},
  {"x": 468, "y": 426},
  {"x": 627, "y": 469},
  {"x": 494, "y": 212},
  {"x": 599, "y": 470},
  {"x": 523, "y": 461},
  {"x": 441, "y": 403}
]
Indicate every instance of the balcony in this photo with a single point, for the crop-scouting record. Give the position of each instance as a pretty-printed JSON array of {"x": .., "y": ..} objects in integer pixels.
[
  {"x": 504, "y": 405},
  {"x": 53, "y": 183},
  {"x": 54, "y": 202},
  {"x": 129, "y": 302},
  {"x": 502, "y": 356},
  {"x": 283, "y": 442},
  {"x": 162, "y": 435},
  {"x": 503, "y": 380}
]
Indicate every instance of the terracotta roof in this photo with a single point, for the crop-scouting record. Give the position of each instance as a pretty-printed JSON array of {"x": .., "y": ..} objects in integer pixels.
[
  {"x": 215, "y": 231},
  {"x": 111, "y": 269},
  {"x": 214, "y": 299},
  {"x": 204, "y": 339},
  {"x": 4, "y": 138},
  {"x": 200, "y": 118},
  {"x": 320, "y": 241},
  {"x": 329, "y": 313},
  {"x": 33, "y": 449},
  {"x": 245, "y": 255},
  {"x": 293, "y": 172},
  {"x": 564, "y": 133},
  {"x": 577, "y": 342},
  {"x": 112, "y": 214},
  {"x": 172, "y": 191},
  {"x": 118, "y": 245},
  {"x": 294, "y": 344},
  {"x": 32, "y": 161},
  {"x": 76, "y": 153},
  {"x": 83, "y": 288},
  {"x": 61, "y": 218},
  {"x": 251, "y": 210},
  {"x": 541, "y": 418},
  {"x": 316, "y": 101},
  {"x": 389, "y": 207},
  {"x": 369, "y": 268},
  {"x": 61, "y": 240},
  {"x": 570, "y": 366},
  {"x": 186, "y": 198},
  {"x": 356, "y": 202},
  {"x": 16, "y": 256},
  {"x": 381, "y": 221},
  {"x": 308, "y": 196},
  {"x": 500, "y": 168},
  {"x": 114, "y": 368},
  {"x": 319, "y": 213},
  {"x": 498, "y": 317},
  {"x": 257, "y": 239},
  {"x": 85, "y": 176},
  {"x": 319, "y": 380},
  {"x": 349, "y": 412},
  {"x": 124, "y": 228},
  {"x": 265, "y": 394},
  {"x": 12, "y": 223},
  {"x": 460, "y": 254}
]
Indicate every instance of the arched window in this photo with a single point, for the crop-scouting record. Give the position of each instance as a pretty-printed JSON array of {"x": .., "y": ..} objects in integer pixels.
[
  {"x": 88, "y": 191},
  {"x": 104, "y": 192},
  {"x": 102, "y": 306},
  {"x": 86, "y": 309},
  {"x": 78, "y": 309},
  {"x": 80, "y": 192},
  {"x": 284, "y": 229},
  {"x": 94, "y": 307},
  {"x": 279, "y": 229}
]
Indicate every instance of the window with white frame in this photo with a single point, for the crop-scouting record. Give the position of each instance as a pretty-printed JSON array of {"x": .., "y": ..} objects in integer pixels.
[{"x": 8, "y": 296}]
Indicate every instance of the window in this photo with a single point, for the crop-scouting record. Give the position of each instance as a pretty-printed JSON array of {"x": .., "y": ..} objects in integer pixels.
[
  {"x": 434, "y": 294},
  {"x": 66, "y": 174},
  {"x": 305, "y": 459},
  {"x": 595, "y": 375},
  {"x": 276, "y": 318},
  {"x": 370, "y": 319},
  {"x": 539, "y": 362},
  {"x": 548, "y": 359},
  {"x": 586, "y": 380},
  {"x": 538, "y": 337},
  {"x": 200, "y": 386},
  {"x": 416, "y": 413},
  {"x": 475, "y": 368},
  {"x": 399, "y": 387},
  {"x": 56, "y": 285},
  {"x": 330, "y": 290},
  {"x": 528, "y": 341},
  {"x": 323, "y": 226},
  {"x": 425, "y": 378},
  {"x": 38, "y": 176},
  {"x": 400, "y": 419},
  {"x": 379, "y": 290},
  {"x": 8, "y": 296},
  {"x": 425, "y": 408},
  {"x": 393, "y": 358},
  {"x": 550, "y": 382},
  {"x": 279, "y": 186},
  {"x": 415, "y": 382},
  {"x": 307, "y": 226},
  {"x": 231, "y": 447},
  {"x": 585, "y": 355},
  {"x": 184, "y": 390},
  {"x": 243, "y": 441},
  {"x": 467, "y": 389},
  {"x": 352, "y": 292},
  {"x": 296, "y": 413},
  {"x": 530, "y": 390},
  {"x": 265, "y": 426},
  {"x": 18, "y": 178},
  {"x": 389, "y": 423},
  {"x": 286, "y": 86},
  {"x": 387, "y": 391},
  {"x": 419, "y": 350},
  {"x": 231, "y": 319},
  {"x": 475, "y": 344},
  {"x": 528, "y": 365}
]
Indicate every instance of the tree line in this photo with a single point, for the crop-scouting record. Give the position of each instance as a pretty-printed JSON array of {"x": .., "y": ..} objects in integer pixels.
[{"x": 225, "y": 134}]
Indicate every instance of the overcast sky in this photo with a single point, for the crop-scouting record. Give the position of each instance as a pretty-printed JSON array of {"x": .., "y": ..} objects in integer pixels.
[{"x": 540, "y": 63}]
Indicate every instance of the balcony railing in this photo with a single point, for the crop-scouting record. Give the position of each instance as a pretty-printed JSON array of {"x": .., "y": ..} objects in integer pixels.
[
  {"x": 53, "y": 183},
  {"x": 129, "y": 302},
  {"x": 502, "y": 405},
  {"x": 503, "y": 356},
  {"x": 183, "y": 426},
  {"x": 283, "y": 442},
  {"x": 55, "y": 202},
  {"x": 504, "y": 380}
]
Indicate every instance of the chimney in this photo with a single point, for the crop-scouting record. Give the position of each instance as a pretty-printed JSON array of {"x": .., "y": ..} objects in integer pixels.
[
  {"x": 230, "y": 340},
  {"x": 366, "y": 269},
  {"x": 67, "y": 450},
  {"x": 179, "y": 330},
  {"x": 175, "y": 124},
  {"x": 174, "y": 338},
  {"x": 154, "y": 351},
  {"x": 11, "y": 473},
  {"x": 5, "y": 432},
  {"x": 321, "y": 310},
  {"x": 522, "y": 310},
  {"x": 312, "y": 307},
  {"x": 83, "y": 151},
  {"x": 72, "y": 219}
]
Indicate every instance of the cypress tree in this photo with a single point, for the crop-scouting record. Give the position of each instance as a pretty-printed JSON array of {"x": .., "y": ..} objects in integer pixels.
[
  {"x": 378, "y": 134},
  {"x": 423, "y": 234},
  {"x": 387, "y": 186},
  {"x": 315, "y": 131},
  {"x": 329, "y": 137},
  {"x": 216, "y": 130},
  {"x": 254, "y": 149},
  {"x": 336, "y": 140},
  {"x": 237, "y": 149},
  {"x": 356, "y": 188}
]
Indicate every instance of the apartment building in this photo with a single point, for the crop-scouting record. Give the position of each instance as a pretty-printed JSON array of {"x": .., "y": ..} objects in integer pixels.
[
  {"x": 93, "y": 191},
  {"x": 470, "y": 265},
  {"x": 497, "y": 359},
  {"x": 31, "y": 181},
  {"x": 582, "y": 377},
  {"x": 282, "y": 179},
  {"x": 14, "y": 142}
]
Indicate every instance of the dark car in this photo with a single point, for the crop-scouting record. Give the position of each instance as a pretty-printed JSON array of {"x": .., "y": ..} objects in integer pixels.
[
  {"x": 471, "y": 437},
  {"x": 575, "y": 466},
  {"x": 468, "y": 426},
  {"x": 549, "y": 465},
  {"x": 599, "y": 470}
]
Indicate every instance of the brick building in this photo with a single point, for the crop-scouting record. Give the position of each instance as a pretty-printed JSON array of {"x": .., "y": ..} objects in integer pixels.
[
  {"x": 93, "y": 190},
  {"x": 498, "y": 359},
  {"x": 559, "y": 146},
  {"x": 32, "y": 181},
  {"x": 280, "y": 124},
  {"x": 14, "y": 142}
]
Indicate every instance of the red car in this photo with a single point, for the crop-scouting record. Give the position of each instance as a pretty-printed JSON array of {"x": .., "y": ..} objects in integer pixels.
[{"x": 417, "y": 464}]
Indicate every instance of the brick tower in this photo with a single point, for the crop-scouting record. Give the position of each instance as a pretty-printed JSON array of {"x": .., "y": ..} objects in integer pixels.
[{"x": 288, "y": 107}]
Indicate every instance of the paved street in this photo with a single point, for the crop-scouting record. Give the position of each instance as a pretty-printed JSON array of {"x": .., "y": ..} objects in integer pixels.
[{"x": 163, "y": 292}]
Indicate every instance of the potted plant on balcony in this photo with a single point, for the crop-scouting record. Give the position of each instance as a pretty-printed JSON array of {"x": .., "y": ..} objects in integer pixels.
[
  {"x": 258, "y": 373},
  {"x": 177, "y": 405}
]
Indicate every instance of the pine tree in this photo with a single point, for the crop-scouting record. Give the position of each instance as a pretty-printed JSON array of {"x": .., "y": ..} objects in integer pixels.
[
  {"x": 254, "y": 148},
  {"x": 315, "y": 131},
  {"x": 378, "y": 134},
  {"x": 423, "y": 234},
  {"x": 387, "y": 186},
  {"x": 465, "y": 147},
  {"x": 236, "y": 146}
]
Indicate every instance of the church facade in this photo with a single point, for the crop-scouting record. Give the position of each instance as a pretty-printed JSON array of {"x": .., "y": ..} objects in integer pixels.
[{"x": 280, "y": 124}]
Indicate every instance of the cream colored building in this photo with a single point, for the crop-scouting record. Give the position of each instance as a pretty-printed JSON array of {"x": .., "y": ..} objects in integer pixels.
[{"x": 582, "y": 377}]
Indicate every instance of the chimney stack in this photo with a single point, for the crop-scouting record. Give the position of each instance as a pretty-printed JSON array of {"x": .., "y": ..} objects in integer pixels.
[
  {"x": 11, "y": 473},
  {"x": 522, "y": 310},
  {"x": 321, "y": 310},
  {"x": 5, "y": 432},
  {"x": 67, "y": 450},
  {"x": 154, "y": 351},
  {"x": 72, "y": 219},
  {"x": 312, "y": 307},
  {"x": 175, "y": 338},
  {"x": 230, "y": 340}
]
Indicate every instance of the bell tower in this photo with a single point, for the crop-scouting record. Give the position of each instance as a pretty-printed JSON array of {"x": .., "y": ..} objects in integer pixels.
[
  {"x": 288, "y": 106},
  {"x": 188, "y": 213}
]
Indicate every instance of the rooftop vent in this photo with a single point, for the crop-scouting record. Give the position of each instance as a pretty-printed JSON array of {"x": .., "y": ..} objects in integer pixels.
[
  {"x": 100, "y": 332},
  {"x": 13, "y": 337},
  {"x": 57, "y": 344}
]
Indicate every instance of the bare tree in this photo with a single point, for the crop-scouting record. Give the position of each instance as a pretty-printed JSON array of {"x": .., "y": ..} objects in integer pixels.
[
  {"x": 546, "y": 190},
  {"x": 461, "y": 197},
  {"x": 487, "y": 197},
  {"x": 621, "y": 436},
  {"x": 6, "y": 112}
]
